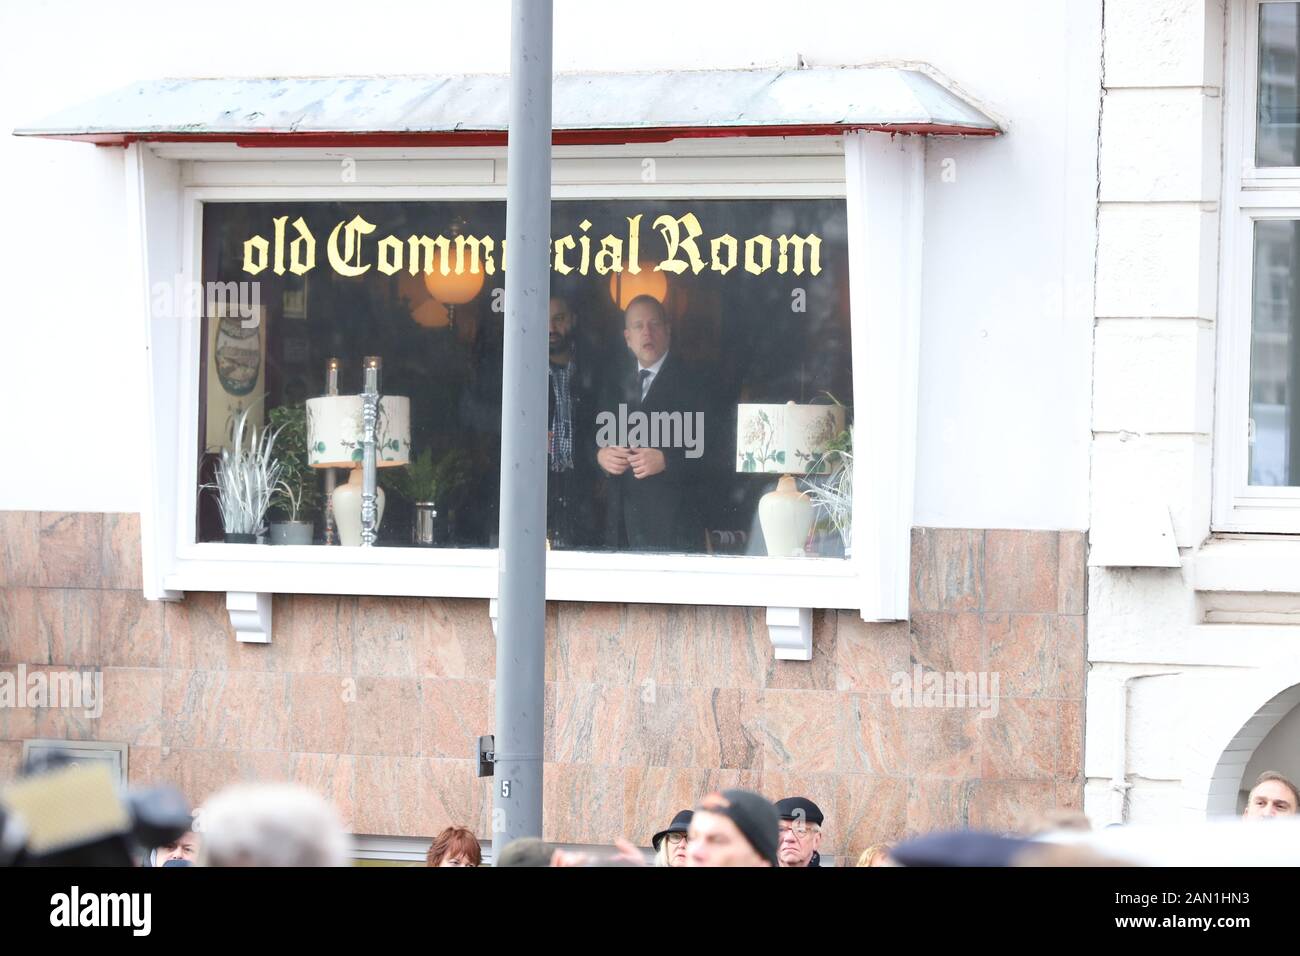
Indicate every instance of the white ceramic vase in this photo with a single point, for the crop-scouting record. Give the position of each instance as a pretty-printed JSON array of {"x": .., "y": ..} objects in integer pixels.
[
  {"x": 347, "y": 509},
  {"x": 786, "y": 516}
]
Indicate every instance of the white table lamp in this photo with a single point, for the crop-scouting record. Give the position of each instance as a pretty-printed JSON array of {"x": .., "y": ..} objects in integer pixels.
[
  {"x": 334, "y": 440},
  {"x": 785, "y": 440}
]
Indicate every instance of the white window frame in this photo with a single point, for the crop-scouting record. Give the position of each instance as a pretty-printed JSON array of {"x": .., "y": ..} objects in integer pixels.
[
  {"x": 1250, "y": 194},
  {"x": 880, "y": 177}
]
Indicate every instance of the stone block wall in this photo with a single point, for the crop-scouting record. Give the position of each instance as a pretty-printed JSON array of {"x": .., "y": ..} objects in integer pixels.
[{"x": 377, "y": 702}]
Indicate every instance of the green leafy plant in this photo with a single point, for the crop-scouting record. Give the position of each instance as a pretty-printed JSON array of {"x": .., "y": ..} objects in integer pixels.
[
  {"x": 423, "y": 479},
  {"x": 296, "y": 492},
  {"x": 246, "y": 477},
  {"x": 832, "y": 493}
]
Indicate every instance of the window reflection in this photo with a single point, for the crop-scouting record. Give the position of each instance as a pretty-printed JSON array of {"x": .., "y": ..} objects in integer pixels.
[
  {"x": 1277, "y": 142},
  {"x": 1274, "y": 362}
]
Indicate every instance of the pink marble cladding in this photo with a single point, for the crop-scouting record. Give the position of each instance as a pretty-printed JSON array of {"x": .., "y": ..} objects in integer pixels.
[
  {"x": 71, "y": 550},
  {"x": 227, "y": 710},
  {"x": 20, "y": 548},
  {"x": 1022, "y": 570},
  {"x": 20, "y": 637},
  {"x": 131, "y": 630},
  {"x": 68, "y": 622},
  {"x": 11, "y": 758},
  {"x": 947, "y": 569},
  {"x": 867, "y": 655},
  {"x": 119, "y": 563},
  {"x": 377, "y": 702},
  {"x": 935, "y": 803},
  {"x": 1072, "y": 573}
]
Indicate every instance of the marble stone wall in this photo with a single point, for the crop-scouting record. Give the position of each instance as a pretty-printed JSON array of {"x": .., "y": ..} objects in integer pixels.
[{"x": 377, "y": 702}]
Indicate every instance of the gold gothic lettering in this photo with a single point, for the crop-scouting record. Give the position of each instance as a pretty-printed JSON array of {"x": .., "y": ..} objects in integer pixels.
[{"x": 684, "y": 240}]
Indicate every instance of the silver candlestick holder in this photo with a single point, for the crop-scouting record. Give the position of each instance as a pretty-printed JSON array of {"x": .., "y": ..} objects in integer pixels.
[
  {"x": 332, "y": 366},
  {"x": 369, "y": 428}
]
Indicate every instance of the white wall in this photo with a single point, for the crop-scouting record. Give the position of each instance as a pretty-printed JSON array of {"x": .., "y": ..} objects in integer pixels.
[
  {"x": 1179, "y": 710},
  {"x": 1007, "y": 329}
]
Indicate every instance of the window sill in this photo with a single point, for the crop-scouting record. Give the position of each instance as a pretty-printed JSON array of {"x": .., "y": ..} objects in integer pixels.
[
  {"x": 749, "y": 581},
  {"x": 1247, "y": 564}
]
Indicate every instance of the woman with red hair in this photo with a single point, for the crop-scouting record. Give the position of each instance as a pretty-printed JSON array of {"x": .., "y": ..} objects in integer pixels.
[{"x": 455, "y": 846}]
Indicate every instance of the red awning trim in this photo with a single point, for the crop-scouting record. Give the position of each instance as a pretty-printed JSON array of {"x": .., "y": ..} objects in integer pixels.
[{"x": 580, "y": 137}]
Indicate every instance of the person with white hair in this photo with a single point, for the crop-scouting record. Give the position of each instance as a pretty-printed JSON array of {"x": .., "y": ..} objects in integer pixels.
[{"x": 272, "y": 825}]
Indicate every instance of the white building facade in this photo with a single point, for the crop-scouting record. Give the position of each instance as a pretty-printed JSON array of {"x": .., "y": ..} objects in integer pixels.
[
  {"x": 1092, "y": 355},
  {"x": 1194, "y": 656}
]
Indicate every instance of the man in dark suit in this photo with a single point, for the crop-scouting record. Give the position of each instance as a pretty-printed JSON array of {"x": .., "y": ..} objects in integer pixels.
[{"x": 652, "y": 497}]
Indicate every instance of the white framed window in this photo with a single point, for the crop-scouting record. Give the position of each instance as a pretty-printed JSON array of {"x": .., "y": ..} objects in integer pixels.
[
  {"x": 878, "y": 178},
  {"x": 1257, "y": 433}
]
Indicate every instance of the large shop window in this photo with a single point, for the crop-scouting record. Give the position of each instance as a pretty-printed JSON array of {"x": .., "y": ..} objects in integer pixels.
[{"x": 681, "y": 331}]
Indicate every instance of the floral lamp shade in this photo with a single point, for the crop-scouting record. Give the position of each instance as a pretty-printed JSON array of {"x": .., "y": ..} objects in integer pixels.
[
  {"x": 334, "y": 437},
  {"x": 785, "y": 439}
]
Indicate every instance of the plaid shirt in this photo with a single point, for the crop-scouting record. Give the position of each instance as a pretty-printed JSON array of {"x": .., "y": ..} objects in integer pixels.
[{"x": 560, "y": 451}]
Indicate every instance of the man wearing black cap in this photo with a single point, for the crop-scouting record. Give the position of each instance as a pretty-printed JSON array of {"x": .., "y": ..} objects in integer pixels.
[
  {"x": 670, "y": 844},
  {"x": 801, "y": 832},
  {"x": 733, "y": 828}
]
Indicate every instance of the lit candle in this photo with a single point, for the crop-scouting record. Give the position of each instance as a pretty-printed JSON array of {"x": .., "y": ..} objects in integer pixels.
[
  {"x": 373, "y": 364},
  {"x": 332, "y": 376}
]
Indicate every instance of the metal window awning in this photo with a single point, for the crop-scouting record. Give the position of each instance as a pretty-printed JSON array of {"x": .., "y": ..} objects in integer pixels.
[{"x": 471, "y": 110}]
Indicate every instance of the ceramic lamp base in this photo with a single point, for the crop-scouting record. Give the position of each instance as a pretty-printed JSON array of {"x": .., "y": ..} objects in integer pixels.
[
  {"x": 346, "y": 502},
  {"x": 786, "y": 516}
]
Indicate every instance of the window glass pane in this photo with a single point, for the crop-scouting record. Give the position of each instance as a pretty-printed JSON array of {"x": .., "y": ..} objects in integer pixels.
[
  {"x": 756, "y": 318},
  {"x": 1277, "y": 140},
  {"x": 1273, "y": 354}
]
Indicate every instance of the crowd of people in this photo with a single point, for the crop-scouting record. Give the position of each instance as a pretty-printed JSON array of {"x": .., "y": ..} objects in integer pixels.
[
  {"x": 279, "y": 825},
  {"x": 60, "y": 811}
]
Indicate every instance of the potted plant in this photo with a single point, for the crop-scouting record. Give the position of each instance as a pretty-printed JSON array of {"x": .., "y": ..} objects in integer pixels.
[
  {"x": 430, "y": 485},
  {"x": 832, "y": 494},
  {"x": 296, "y": 494},
  {"x": 244, "y": 480}
]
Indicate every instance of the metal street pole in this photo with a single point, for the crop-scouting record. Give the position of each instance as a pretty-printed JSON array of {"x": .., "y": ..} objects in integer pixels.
[{"x": 521, "y": 642}]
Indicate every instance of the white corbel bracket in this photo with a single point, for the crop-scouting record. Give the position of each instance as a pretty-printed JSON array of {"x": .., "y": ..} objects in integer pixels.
[
  {"x": 250, "y": 616},
  {"x": 790, "y": 630}
]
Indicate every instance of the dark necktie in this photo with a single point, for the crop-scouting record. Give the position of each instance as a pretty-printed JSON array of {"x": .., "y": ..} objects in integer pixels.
[{"x": 645, "y": 377}]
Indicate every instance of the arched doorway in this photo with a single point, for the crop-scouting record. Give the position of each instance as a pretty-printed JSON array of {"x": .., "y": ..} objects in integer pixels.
[{"x": 1250, "y": 711}]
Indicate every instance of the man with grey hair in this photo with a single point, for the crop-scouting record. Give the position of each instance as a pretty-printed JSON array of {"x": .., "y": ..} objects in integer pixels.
[
  {"x": 801, "y": 832},
  {"x": 271, "y": 825},
  {"x": 1272, "y": 796}
]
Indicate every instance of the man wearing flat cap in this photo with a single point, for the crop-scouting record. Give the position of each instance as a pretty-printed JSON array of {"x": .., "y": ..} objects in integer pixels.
[{"x": 801, "y": 832}]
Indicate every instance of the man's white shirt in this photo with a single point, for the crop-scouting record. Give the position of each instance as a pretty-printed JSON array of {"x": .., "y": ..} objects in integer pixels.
[{"x": 648, "y": 380}]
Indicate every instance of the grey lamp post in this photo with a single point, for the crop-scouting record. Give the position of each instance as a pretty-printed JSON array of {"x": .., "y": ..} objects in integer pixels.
[{"x": 521, "y": 647}]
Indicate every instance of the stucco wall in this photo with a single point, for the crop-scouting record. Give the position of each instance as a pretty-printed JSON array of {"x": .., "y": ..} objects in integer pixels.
[{"x": 1176, "y": 706}]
